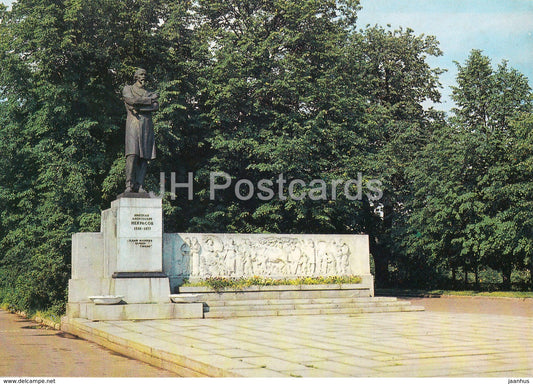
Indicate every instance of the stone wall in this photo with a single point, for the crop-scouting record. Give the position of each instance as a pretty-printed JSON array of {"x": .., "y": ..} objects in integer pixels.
[
  {"x": 132, "y": 262},
  {"x": 199, "y": 255}
]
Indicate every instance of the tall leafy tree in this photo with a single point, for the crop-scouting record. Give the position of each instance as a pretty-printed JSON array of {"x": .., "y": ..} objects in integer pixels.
[
  {"x": 397, "y": 82},
  {"x": 488, "y": 101},
  {"x": 63, "y": 65},
  {"x": 278, "y": 101},
  {"x": 474, "y": 181}
]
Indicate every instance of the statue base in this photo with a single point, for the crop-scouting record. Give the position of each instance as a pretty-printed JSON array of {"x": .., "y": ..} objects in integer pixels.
[
  {"x": 124, "y": 260},
  {"x": 134, "y": 195}
]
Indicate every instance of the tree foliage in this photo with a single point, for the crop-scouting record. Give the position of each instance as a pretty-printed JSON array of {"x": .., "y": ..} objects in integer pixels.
[
  {"x": 474, "y": 189},
  {"x": 261, "y": 90},
  {"x": 62, "y": 65}
]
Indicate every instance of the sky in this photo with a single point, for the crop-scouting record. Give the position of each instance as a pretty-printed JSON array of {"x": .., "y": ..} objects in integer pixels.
[{"x": 502, "y": 29}]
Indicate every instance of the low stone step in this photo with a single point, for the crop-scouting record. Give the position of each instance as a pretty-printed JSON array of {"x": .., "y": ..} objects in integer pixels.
[
  {"x": 295, "y": 300},
  {"x": 361, "y": 300},
  {"x": 210, "y": 307},
  {"x": 289, "y": 304},
  {"x": 310, "y": 311},
  {"x": 281, "y": 292},
  {"x": 270, "y": 288},
  {"x": 283, "y": 295}
]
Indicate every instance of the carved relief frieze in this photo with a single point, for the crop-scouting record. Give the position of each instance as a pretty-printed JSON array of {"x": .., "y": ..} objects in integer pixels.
[{"x": 224, "y": 255}]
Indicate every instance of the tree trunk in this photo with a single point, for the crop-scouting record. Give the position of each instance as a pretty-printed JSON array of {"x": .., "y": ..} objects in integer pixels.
[
  {"x": 476, "y": 274},
  {"x": 454, "y": 277},
  {"x": 466, "y": 277},
  {"x": 506, "y": 279},
  {"x": 385, "y": 246},
  {"x": 381, "y": 264}
]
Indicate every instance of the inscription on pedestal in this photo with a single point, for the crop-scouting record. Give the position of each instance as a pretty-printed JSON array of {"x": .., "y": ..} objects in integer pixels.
[
  {"x": 139, "y": 223},
  {"x": 142, "y": 222},
  {"x": 140, "y": 231},
  {"x": 142, "y": 243}
]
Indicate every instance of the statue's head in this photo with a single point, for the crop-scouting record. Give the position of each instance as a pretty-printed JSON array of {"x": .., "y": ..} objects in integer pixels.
[{"x": 140, "y": 75}]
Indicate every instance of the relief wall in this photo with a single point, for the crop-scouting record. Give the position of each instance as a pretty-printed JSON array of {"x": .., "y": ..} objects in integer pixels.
[{"x": 197, "y": 256}]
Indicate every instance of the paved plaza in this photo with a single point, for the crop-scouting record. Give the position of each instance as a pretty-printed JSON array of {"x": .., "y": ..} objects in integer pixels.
[{"x": 408, "y": 344}]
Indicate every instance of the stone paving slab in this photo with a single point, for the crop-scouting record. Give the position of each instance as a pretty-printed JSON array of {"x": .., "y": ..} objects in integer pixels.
[{"x": 404, "y": 344}]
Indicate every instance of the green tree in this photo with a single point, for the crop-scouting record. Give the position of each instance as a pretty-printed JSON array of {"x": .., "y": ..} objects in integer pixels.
[
  {"x": 63, "y": 65},
  {"x": 278, "y": 101},
  {"x": 394, "y": 77},
  {"x": 473, "y": 180}
]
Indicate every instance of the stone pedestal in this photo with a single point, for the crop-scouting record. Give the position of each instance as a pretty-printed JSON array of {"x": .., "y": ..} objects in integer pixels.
[
  {"x": 133, "y": 230},
  {"x": 124, "y": 259},
  {"x": 133, "y": 255}
]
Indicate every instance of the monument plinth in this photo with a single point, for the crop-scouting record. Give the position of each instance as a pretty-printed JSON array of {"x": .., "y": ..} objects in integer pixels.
[
  {"x": 134, "y": 230},
  {"x": 124, "y": 260}
]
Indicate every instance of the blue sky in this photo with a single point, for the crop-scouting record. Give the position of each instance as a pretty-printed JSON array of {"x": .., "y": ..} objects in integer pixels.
[{"x": 503, "y": 29}]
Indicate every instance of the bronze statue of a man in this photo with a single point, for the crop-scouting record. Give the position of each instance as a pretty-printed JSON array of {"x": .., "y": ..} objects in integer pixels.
[{"x": 140, "y": 142}]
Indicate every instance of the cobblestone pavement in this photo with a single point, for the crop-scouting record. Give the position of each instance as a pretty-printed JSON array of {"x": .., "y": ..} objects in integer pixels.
[
  {"x": 408, "y": 344},
  {"x": 28, "y": 350}
]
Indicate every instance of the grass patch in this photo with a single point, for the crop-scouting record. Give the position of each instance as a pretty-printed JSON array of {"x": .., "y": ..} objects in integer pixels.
[
  {"x": 442, "y": 292},
  {"x": 518, "y": 295},
  {"x": 50, "y": 318},
  {"x": 221, "y": 283}
]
